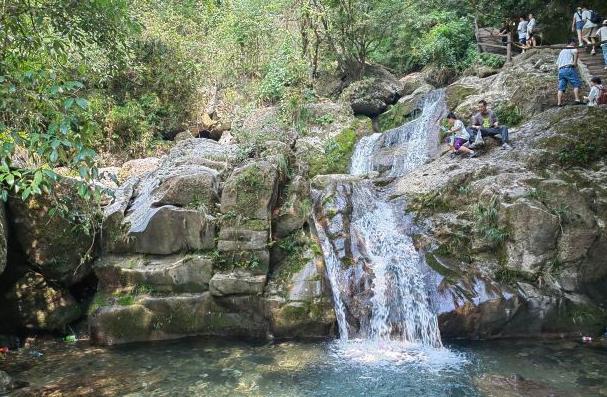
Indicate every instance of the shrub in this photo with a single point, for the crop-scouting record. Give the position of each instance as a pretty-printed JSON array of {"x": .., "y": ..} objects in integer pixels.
[
  {"x": 491, "y": 60},
  {"x": 509, "y": 114}
]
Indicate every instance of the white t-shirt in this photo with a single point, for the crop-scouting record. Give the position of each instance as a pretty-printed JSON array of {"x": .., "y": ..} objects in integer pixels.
[
  {"x": 602, "y": 33},
  {"x": 566, "y": 57},
  {"x": 531, "y": 25},
  {"x": 593, "y": 96},
  {"x": 522, "y": 29},
  {"x": 586, "y": 15},
  {"x": 459, "y": 130},
  {"x": 578, "y": 16}
]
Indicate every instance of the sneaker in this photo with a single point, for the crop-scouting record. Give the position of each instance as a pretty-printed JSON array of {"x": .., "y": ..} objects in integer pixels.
[
  {"x": 453, "y": 155},
  {"x": 506, "y": 146},
  {"x": 472, "y": 155},
  {"x": 593, "y": 52}
]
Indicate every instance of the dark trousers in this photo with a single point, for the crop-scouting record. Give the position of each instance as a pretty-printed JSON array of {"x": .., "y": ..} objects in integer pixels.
[{"x": 501, "y": 131}]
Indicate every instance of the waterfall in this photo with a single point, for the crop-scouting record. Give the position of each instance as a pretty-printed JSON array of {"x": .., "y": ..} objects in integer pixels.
[{"x": 376, "y": 274}]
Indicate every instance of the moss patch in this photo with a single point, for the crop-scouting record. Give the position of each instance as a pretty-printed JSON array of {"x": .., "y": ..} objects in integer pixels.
[
  {"x": 577, "y": 145},
  {"x": 456, "y": 94},
  {"x": 397, "y": 115},
  {"x": 335, "y": 157}
]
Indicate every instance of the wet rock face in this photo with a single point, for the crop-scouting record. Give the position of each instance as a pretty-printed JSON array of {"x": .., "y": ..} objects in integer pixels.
[{"x": 516, "y": 236}]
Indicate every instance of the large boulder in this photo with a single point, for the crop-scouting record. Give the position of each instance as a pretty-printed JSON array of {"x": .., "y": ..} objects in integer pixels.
[
  {"x": 156, "y": 318},
  {"x": 172, "y": 209},
  {"x": 138, "y": 167},
  {"x": 404, "y": 110},
  {"x": 527, "y": 85},
  {"x": 533, "y": 234},
  {"x": 251, "y": 191},
  {"x": 30, "y": 302},
  {"x": 59, "y": 243},
  {"x": 373, "y": 94}
]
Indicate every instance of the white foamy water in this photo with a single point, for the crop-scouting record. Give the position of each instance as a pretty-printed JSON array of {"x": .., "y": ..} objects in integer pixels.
[
  {"x": 394, "y": 354},
  {"x": 380, "y": 294}
]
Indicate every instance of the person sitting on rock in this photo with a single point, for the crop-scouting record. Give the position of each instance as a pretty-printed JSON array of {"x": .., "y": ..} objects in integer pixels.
[
  {"x": 568, "y": 74},
  {"x": 596, "y": 91},
  {"x": 459, "y": 137},
  {"x": 486, "y": 122}
]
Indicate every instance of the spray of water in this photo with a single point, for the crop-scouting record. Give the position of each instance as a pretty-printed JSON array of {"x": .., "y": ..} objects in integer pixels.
[{"x": 400, "y": 310}]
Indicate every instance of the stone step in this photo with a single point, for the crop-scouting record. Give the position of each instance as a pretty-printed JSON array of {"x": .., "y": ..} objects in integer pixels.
[
  {"x": 151, "y": 318},
  {"x": 160, "y": 274}
]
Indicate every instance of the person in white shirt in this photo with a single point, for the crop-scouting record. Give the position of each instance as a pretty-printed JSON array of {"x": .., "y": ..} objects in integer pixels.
[
  {"x": 522, "y": 31},
  {"x": 578, "y": 25},
  {"x": 601, "y": 35},
  {"x": 589, "y": 28},
  {"x": 568, "y": 74},
  {"x": 531, "y": 25},
  {"x": 596, "y": 89}
]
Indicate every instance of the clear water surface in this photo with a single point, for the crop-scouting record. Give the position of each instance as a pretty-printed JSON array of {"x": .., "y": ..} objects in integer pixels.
[{"x": 204, "y": 367}]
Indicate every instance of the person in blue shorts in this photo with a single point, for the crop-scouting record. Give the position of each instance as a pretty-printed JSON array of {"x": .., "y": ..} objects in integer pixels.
[
  {"x": 578, "y": 24},
  {"x": 568, "y": 73}
]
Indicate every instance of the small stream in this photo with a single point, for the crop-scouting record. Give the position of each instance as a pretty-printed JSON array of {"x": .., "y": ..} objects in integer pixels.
[{"x": 203, "y": 367}]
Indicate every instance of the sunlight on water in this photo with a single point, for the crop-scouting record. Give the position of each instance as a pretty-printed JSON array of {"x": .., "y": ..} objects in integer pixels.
[{"x": 398, "y": 354}]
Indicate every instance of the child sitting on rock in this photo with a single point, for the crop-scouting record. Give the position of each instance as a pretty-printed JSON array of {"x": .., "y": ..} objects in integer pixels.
[{"x": 459, "y": 137}]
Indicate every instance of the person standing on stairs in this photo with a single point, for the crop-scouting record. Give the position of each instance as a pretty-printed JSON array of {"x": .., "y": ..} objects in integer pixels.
[
  {"x": 578, "y": 25},
  {"x": 568, "y": 74},
  {"x": 522, "y": 31},
  {"x": 601, "y": 34},
  {"x": 589, "y": 28},
  {"x": 531, "y": 26}
]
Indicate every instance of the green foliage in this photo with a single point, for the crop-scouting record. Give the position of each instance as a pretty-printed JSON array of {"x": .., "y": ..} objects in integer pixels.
[
  {"x": 336, "y": 156},
  {"x": 509, "y": 114},
  {"x": 284, "y": 70},
  {"x": 449, "y": 43},
  {"x": 429, "y": 203},
  {"x": 486, "y": 222},
  {"x": 491, "y": 60}
]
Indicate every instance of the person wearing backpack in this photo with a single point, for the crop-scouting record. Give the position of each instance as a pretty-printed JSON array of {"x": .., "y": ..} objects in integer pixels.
[
  {"x": 601, "y": 34},
  {"x": 591, "y": 23},
  {"x": 568, "y": 74},
  {"x": 578, "y": 25},
  {"x": 598, "y": 93}
]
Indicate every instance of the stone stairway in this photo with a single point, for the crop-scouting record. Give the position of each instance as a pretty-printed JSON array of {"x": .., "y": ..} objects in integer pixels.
[{"x": 594, "y": 63}]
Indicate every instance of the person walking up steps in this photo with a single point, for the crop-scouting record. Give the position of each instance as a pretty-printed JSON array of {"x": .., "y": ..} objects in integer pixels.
[
  {"x": 531, "y": 26},
  {"x": 601, "y": 34},
  {"x": 578, "y": 25},
  {"x": 522, "y": 31},
  {"x": 568, "y": 74},
  {"x": 590, "y": 27}
]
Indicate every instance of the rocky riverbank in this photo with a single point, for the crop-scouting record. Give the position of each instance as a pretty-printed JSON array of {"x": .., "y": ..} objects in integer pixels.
[{"x": 216, "y": 238}]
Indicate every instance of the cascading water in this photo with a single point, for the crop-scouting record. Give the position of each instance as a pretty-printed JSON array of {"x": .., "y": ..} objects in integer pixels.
[{"x": 375, "y": 272}]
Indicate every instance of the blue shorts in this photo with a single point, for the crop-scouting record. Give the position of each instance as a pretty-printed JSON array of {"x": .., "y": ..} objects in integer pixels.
[
  {"x": 569, "y": 75},
  {"x": 579, "y": 25}
]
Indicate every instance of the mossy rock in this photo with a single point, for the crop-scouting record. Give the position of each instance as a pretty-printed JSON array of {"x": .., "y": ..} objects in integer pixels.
[
  {"x": 335, "y": 158},
  {"x": 579, "y": 136},
  {"x": 457, "y": 93},
  {"x": 396, "y": 115}
]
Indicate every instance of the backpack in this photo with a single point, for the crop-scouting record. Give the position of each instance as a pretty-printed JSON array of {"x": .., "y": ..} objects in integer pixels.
[
  {"x": 595, "y": 17},
  {"x": 602, "y": 99}
]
